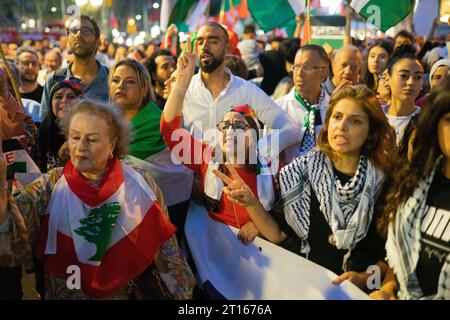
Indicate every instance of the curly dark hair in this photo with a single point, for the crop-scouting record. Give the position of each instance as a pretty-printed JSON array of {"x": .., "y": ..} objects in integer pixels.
[{"x": 426, "y": 151}]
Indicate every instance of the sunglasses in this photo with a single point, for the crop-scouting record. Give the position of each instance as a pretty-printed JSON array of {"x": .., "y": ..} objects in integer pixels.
[
  {"x": 85, "y": 31},
  {"x": 71, "y": 79}
]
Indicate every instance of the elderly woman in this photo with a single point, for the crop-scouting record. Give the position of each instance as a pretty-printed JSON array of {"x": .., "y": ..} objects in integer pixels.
[
  {"x": 104, "y": 224},
  {"x": 62, "y": 95},
  {"x": 130, "y": 88}
]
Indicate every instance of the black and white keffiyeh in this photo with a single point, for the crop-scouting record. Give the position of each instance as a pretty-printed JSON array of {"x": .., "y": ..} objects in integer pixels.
[
  {"x": 404, "y": 243},
  {"x": 347, "y": 208}
]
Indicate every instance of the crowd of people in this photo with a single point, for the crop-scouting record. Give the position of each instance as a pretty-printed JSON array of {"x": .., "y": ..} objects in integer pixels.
[{"x": 339, "y": 156}]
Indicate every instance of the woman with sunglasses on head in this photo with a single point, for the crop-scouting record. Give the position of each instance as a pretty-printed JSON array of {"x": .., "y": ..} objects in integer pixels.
[
  {"x": 245, "y": 172},
  {"x": 329, "y": 195},
  {"x": 62, "y": 96},
  {"x": 130, "y": 88}
]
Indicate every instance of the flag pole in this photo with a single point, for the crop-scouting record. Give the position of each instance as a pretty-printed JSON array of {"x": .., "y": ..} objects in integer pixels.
[
  {"x": 308, "y": 22},
  {"x": 11, "y": 76},
  {"x": 222, "y": 11}
]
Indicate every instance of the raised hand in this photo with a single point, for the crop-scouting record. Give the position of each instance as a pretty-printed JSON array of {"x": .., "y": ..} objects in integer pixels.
[
  {"x": 237, "y": 190},
  {"x": 186, "y": 65}
]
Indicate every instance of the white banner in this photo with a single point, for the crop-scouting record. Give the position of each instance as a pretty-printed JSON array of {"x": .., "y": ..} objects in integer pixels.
[{"x": 260, "y": 270}]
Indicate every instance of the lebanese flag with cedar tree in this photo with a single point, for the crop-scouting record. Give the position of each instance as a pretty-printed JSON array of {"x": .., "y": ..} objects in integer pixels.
[{"x": 112, "y": 232}]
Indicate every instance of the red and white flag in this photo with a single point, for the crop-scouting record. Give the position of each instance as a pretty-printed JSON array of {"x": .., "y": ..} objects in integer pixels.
[{"x": 111, "y": 233}]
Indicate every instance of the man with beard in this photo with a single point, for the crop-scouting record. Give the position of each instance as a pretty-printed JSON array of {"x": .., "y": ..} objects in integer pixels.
[
  {"x": 307, "y": 102},
  {"x": 346, "y": 67},
  {"x": 160, "y": 65},
  {"x": 214, "y": 90},
  {"x": 84, "y": 40},
  {"x": 27, "y": 62}
]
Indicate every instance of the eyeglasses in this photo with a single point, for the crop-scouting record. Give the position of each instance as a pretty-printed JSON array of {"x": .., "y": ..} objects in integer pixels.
[
  {"x": 27, "y": 63},
  {"x": 224, "y": 125},
  {"x": 71, "y": 79},
  {"x": 85, "y": 31},
  {"x": 307, "y": 68}
]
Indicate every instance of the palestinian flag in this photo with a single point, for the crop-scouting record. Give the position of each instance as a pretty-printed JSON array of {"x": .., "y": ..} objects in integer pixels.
[
  {"x": 384, "y": 14},
  {"x": 111, "y": 233},
  {"x": 19, "y": 165},
  {"x": 275, "y": 13},
  {"x": 175, "y": 11}
]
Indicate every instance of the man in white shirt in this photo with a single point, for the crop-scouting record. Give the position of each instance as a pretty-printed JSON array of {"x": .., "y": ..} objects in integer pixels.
[
  {"x": 307, "y": 102},
  {"x": 214, "y": 90}
]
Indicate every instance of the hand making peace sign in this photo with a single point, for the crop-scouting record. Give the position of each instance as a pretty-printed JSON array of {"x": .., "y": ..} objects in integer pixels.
[
  {"x": 186, "y": 65},
  {"x": 237, "y": 190}
]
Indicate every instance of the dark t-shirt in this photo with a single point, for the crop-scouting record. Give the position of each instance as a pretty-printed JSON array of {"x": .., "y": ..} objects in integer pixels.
[
  {"x": 435, "y": 231},
  {"x": 35, "y": 95},
  {"x": 160, "y": 101},
  {"x": 367, "y": 252}
]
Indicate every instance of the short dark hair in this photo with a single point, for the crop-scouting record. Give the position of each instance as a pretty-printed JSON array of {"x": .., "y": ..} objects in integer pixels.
[
  {"x": 289, "y": 48},
  {"x": 94, "y": 25},
  {"x": 150, "y": 63},
  {"x": 276, "y": 39},
  {"x": 217, "y": 25},
  {"x": 405, "y": 34},
  {"x": 319, "y": 50},
  {"x": 249, "y": 29}
]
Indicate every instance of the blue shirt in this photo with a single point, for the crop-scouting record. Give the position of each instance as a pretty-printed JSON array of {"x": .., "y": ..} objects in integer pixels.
[{"x": 97, "y": 89}]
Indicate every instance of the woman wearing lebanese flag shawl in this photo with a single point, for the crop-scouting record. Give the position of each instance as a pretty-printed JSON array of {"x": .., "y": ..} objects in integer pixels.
[{"x": 104, "y": 231}]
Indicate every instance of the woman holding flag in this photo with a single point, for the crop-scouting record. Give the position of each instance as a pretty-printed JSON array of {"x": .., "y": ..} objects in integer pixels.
[
  {"x": 236, "y": 161},
  {"x": 104, "y": 232},
  {"x": 130, "y": 88}
]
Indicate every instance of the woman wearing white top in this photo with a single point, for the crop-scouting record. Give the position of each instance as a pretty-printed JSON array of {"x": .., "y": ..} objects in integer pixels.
[{"x": 405, "y": 78}]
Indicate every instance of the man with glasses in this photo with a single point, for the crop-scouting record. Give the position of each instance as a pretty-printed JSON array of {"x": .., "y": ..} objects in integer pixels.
[
  {"x": 27, "y": 62},
  {"x": 84, "y": 40},
  {"x": 307, "y": 102},
  {"x": 346, "y": 69}
]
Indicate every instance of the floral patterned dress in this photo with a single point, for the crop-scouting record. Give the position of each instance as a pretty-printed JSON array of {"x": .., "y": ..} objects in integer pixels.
[{"x": 169, "y": 276}]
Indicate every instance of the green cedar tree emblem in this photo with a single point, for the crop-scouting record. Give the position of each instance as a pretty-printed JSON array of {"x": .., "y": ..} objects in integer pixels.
[{"x": 97, "y": 227}]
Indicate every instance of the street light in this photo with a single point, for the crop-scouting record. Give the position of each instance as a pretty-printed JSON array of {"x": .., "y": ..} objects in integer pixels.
[
  {"x": 156, "y": 5},
  {"x": 96, "y": 3},
  {"x": 81, "y": 3}
]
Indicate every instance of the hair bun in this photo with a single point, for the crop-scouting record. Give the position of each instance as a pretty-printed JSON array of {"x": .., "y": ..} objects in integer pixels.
[{"x": 402, "y": 50}]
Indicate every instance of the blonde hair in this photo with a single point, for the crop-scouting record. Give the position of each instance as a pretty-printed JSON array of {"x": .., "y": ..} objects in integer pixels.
[{"x": 142, "y": 75}]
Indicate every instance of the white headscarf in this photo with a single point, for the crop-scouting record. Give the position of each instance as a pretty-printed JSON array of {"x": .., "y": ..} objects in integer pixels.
[{"x": 437, "y": 64}]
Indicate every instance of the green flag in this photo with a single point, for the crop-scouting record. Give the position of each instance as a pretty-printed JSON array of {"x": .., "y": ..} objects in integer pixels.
[
  {"x": 384, "y": 14},
  {"x": 275, "y": 13}
]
